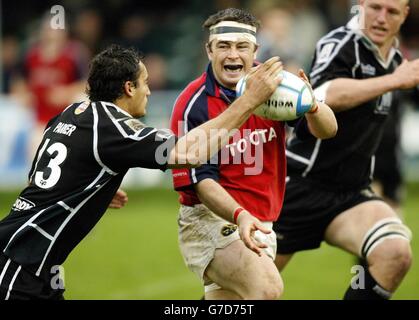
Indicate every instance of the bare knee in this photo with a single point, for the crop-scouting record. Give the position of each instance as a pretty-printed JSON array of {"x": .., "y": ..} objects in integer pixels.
[
  {"x": 403, "y": 258},
  {"x": 393, "y": 255},
  {"x": 387, "y": 248}
]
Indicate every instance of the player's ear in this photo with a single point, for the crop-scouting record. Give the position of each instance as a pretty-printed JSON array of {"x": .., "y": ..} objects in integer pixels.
[
  {"x": 209, "y": 50},
  {"x": 406, "y": 12},
  {"x": 255, "y": 51},
  {"x": 129, "y": 88}
]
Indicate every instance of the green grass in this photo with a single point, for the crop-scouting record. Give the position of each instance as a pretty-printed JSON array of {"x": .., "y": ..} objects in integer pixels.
[{"x": 133, "y": 254}]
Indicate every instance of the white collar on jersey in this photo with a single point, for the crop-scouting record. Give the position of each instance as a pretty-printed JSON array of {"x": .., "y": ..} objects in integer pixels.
[
  {"x": 119, "y": 109},
  {"x": 354, "y": 25}
]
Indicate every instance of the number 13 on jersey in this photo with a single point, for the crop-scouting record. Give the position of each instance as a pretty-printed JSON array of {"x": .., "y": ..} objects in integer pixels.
[{"x": 57, "y": 153}]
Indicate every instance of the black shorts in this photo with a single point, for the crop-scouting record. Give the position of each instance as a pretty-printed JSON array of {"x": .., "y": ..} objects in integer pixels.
[
  {"x": 307, "y": 211},
  {"x": 388, "y": 173},
  {"x": 16, "y": 283}
]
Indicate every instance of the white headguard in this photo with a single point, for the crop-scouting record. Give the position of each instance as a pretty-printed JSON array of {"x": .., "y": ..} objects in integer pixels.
[{"x": 232, "y": 31}]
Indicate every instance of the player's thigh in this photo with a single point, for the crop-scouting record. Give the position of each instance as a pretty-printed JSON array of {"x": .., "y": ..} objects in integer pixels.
[
  {"x": 348, "y": 229},
  {"x": 240, "y": 270}
]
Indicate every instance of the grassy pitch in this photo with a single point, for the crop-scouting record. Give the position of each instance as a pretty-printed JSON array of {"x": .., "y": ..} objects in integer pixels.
[{"x": 133, "y": 254}]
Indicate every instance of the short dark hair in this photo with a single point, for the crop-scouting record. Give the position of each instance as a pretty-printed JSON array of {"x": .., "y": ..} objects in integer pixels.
[
  {"x": 109, "y": 70},
  {"x": 232, "y": 14}
]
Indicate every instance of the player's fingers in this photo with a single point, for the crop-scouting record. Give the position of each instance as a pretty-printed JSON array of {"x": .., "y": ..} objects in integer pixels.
[
  {"x": 119, "y": 200},
  {"x": 260, "y": 245},
  {"x": 268, "y": 63},
  {"x": 262, "y": 228},
  {"x": 121, "y": 193},
  {"x": 275, "y": 69},
  {"x": 121, "y": 196},
  {"x": 252, "y": 246},
  {"x": 247, "y": 240},
  {"x": 278, "y": 77},
  {"x": 115, "y": 205},
  {"x": 254, "y": 69},
  {"x": 303, "y": 75}
]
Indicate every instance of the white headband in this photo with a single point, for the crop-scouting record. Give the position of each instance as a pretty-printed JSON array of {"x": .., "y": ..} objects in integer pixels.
[{"x": 232, "y": 31}]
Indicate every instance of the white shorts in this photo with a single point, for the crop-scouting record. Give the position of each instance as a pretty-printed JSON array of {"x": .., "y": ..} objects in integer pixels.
[{"x": 201, "y": 232}]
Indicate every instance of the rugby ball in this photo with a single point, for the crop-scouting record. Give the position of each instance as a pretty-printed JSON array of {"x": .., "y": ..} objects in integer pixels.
[{"x": 291, "y": 100}]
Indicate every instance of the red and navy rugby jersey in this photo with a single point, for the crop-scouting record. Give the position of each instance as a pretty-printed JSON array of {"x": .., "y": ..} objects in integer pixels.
[{"x": 251, "y": 168}]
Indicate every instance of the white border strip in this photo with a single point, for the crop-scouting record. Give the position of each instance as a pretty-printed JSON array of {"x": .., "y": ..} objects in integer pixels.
[
  {"x": 23, "y": 226},
  {"x": 41, "y": 231},
  {"x": 297, "y": 157},
  {"x": 313, "y": 157},
  {"x": 95, "y": 141},
  {"x": 65, "y": 206},
  {"x": 123, "y": 132},
  {"x": 12, "y": 282},
  {"x": 101, "y": 173},
  {"x": 358, "y": 60},
  {"x": 61, "y": 228},
  {"x": 6, "y": 266}
]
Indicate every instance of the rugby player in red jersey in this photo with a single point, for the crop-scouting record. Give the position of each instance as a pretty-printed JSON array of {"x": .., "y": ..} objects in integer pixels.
[{"x": 244, "y": 184}]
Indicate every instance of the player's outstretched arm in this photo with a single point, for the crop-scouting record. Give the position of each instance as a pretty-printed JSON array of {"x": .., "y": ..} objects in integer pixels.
[
  {"x": 201, "y": 143},
  {"x": 219, "y": 201},
  {"x": 321, "y": 119},
  {"x": 344, "y": 93}
]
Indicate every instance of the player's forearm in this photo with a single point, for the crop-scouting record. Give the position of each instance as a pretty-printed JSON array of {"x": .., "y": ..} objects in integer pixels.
[
  {"x": 201, "y": 143},
  {"x": 216, "y": 198},
  {"x": 204, "y": 141},
  {"x": 322, "y": 124},
  {"x": 344, "y": 94}
]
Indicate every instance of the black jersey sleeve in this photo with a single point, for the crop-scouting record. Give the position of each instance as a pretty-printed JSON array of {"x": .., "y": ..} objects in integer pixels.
[
  {"x": 334, "y": 58},
  {"x": 124, "y": 142}
]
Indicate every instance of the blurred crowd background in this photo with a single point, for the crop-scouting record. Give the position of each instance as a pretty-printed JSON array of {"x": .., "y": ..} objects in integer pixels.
[{"x": 42, "y": 67}]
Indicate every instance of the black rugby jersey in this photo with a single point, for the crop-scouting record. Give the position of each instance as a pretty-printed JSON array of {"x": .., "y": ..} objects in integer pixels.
[
  {"x": 85, "y": 153},
  {"x": 347, "y": 160}
]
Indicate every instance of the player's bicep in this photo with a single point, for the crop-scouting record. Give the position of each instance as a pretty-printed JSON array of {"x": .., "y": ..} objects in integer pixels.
[{"x": 129, "y": 144}]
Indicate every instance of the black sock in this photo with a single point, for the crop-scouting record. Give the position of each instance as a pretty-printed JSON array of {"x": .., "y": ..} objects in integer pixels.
[
  {"x": 362, "y": 262},
  {"x": 368, "y": 289}
]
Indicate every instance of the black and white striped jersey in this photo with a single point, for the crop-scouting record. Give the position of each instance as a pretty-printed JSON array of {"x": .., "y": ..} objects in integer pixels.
[
  {"x": 347, "y": 160},
  {"x": 85, "y": 152}
]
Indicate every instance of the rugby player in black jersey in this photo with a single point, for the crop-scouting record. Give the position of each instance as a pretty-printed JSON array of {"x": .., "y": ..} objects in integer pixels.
[
  {"x": 85, "y": 152},
  {"x": 356, "y": 69}
]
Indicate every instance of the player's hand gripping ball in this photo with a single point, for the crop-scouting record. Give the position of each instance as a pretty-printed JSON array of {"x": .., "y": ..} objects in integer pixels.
[{"x": 291, "y": 100}]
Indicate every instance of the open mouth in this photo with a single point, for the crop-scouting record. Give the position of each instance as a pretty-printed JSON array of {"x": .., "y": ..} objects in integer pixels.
[
  {"x": 235, "y": 68},
  {"x": 379, "y": 29}
]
